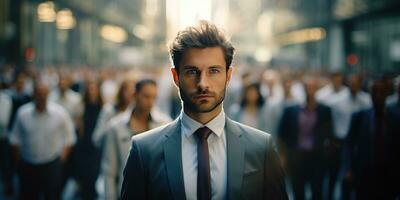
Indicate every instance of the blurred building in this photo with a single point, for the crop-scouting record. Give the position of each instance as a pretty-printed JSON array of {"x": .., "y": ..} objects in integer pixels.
[
  {"x": 73, "y": 32},
  {"x": 323, "y": 34}
]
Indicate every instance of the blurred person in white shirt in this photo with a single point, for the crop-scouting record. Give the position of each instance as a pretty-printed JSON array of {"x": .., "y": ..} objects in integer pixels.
[
  {"x": 109, "y": 110},
  {"x": 273, "y": 111},
  {"x": 343, "y": 107},
  {"x": 5, "y": 161},
  {"x": 332, "y": 91},
  {"x": 42, "y": 138},
  {"x": 273, "y": 91},
  {"x": 250, "y": 109},
  {"x": 67, "y": 98}
]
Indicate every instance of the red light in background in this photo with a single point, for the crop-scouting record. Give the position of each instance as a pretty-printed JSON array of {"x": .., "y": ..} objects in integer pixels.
[{"x": 352, "y": 59}]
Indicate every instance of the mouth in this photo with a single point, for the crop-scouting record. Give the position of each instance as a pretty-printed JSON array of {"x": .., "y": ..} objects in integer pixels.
[{"x": 201, "y": 97}]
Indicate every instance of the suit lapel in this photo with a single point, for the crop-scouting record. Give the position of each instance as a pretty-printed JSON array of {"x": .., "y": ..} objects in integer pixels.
[
  {"x": 235, "y": 156},
  {"x": 173, "y": 160}
]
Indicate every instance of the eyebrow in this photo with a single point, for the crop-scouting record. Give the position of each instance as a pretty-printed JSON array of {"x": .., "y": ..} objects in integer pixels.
[
  {"x": 194, "y": 67},
  {"x": 216, "y": 66},
  {"x": 189, "y": 67}
]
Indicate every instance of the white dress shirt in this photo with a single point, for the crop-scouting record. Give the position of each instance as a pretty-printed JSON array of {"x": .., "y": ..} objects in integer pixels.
[
  {"x": 5, "y": 113},
  {"x": 70, "y": 101},
  {"x": 41, "y": 137},
  {"x": 327, "y": 95},
  {"x": 344, "y": 107},
  {"x": 217, "y": 155},
  {"x": 108, "y": 111}
]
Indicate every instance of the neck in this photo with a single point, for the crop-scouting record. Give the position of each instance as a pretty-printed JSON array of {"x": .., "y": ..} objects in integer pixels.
[
  {"x": 337, "y": 88},
  {"x": 122, "y": 106},
  {"x": 140, "y": 114},
  {"x": 311, "y": 104},
  {"x": 62, "y": 92},
  {"x": 205, "y": 117},
  {"x": 40, "y": 108},
  {"x": 252, "y": 108}
]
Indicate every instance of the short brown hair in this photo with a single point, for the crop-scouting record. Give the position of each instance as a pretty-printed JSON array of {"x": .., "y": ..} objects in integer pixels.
[{"x": 204, "y": 35}]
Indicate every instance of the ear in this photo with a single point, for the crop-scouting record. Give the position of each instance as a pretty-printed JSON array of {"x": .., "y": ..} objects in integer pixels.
[
  {"x": 175, "y": 76},
  {"x": 229, "y": 74}
]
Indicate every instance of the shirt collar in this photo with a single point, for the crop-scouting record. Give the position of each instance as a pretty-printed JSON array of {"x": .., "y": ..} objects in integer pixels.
[
  {"x": 216, "y": 125},
  {"x": 45, "y": 111}
]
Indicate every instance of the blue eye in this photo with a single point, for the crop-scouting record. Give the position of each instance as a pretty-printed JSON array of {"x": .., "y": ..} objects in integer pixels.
[
  {"x": 191, "y": 72},
  {"x": 214, "y": 71}
]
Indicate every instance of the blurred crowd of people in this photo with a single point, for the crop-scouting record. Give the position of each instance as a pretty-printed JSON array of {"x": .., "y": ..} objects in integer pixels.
[{"x": 335, "y": 131}]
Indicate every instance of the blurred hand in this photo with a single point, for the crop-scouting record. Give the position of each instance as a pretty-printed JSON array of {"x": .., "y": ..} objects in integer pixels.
[{"x": 65, "y": 154}]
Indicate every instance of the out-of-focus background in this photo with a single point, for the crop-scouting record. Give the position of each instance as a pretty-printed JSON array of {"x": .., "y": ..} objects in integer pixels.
[
  {"x": 322, "y": 34},
  {"x": 322, "y": 77}
]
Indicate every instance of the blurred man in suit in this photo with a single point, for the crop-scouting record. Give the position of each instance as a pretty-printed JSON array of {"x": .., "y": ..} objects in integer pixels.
[
  {"x": 374, "y": 148},
  {"x": 305, "y": 132}
]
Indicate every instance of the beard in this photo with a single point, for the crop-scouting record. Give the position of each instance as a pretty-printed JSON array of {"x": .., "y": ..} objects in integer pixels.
[{"x": 202, "y": 106}]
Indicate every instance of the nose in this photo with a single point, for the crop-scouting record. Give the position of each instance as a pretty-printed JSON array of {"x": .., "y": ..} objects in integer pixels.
[{"x": 203, "y": 83}]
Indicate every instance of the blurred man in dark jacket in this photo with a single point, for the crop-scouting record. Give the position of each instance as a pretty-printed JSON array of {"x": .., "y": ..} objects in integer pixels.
[
  {"x": 304, "y": 135},
  {"x": 374, "y": 145}
]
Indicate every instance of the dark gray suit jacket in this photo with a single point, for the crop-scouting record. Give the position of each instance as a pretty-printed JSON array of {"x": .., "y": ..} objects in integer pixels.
[{"x": 154, "y": 166}]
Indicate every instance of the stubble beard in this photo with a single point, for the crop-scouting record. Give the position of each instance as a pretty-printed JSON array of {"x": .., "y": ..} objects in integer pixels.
[{"x": 189, "y": 105}]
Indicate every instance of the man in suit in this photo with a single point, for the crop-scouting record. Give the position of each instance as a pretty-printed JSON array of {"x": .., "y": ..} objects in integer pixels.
[
  {"x": 305, "y": 133},
  {"x": 374, "y": 148},
  {"x": 203, "y": 154}
]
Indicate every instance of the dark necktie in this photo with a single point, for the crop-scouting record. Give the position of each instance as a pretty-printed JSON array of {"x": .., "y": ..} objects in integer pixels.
[{"x": 203, "y": 164}]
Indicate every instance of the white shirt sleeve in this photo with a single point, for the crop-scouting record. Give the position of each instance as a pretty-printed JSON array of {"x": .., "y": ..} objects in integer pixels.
[
  {"x": 69, "y": 133},
  {"x": 5, "y": 113}
]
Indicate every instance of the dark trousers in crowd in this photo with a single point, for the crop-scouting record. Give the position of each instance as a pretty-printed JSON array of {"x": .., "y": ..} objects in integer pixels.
[
  {"x": 306, "y": 167},
  {"x": 41, "y": 180},
  {"x": 6, "y": 166},
  {"x": 337, "y": 162},
  {"x": 86, "y": 167}
]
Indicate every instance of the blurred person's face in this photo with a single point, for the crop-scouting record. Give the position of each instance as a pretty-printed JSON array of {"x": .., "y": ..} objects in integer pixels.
[
  {"x": 311, "y": 87},
  {"x": 146, "y": 97},
  {"x": 20, "y": 82},
  {"x": 64, "y": 84},
  {"x": 93, "y": 92},
  {"x": 40, "y": 96},
  {"x": 202, "y": 79},
  {"x": 287, "y": 85},
  {"x": 355, "y": 84},
  {"x": 337, "y": 81},
  {"x": 252, "y": 95},
  {"x": 127, "y": 92},
  {"x": 270, "y": 78},
  {"x": 389, "y": 85},
  {"x": 378, "y": 93}
]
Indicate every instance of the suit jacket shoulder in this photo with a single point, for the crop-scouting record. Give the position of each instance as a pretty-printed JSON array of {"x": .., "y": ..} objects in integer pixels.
[{"x": 252, "y": 135}]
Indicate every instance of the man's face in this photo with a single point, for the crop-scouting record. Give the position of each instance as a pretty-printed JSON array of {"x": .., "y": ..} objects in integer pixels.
[
  {"x": 127, "y": 92},
  {"x": 20, "y": 82},
  {"x": 202, "y": 79},
  {"x": 354, "y": 84},
  {"x": 311, "y": 87},
  {"x": 337, "y": 80},
  {"x": 40, "y": 95},
  {"x": 146, "y": 97},
  {"x": 64, "y": 83},
  {"x": 378, "y": 93}
]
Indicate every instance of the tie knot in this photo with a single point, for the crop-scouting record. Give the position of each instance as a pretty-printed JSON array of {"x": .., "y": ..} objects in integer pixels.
[{"x": 203, "y": 133}]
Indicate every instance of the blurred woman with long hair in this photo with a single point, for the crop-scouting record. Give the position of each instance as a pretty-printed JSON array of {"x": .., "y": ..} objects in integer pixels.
[{"x": 86, "y": 154}]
